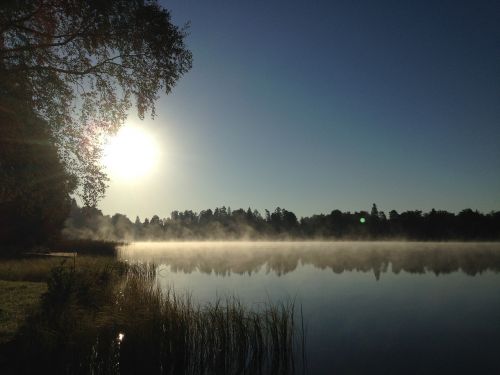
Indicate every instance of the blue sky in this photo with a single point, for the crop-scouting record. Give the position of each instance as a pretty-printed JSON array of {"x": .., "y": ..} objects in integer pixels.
[{"x": 317, "y": 105}]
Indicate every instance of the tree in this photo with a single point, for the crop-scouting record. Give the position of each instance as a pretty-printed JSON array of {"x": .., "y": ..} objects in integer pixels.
[
  {"x": 34, "y": 185},
  {"x": 393, "y": 215},
  {"x": 82, "y": 64},
  {"x": 155, "y": 220}
]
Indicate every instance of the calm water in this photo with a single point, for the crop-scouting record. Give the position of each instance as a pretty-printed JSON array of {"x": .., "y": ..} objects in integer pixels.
[{"x": 378, "y": 308}]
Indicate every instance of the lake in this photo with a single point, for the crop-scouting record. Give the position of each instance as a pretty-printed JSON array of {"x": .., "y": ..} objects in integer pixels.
[{"x": 368, "y": 307}]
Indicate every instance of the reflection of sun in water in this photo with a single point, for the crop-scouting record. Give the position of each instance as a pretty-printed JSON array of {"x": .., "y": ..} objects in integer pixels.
[{"x": 130, "y": 154}]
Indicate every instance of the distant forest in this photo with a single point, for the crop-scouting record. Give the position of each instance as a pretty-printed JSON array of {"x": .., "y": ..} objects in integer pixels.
[{"x": 226, "y": 224}]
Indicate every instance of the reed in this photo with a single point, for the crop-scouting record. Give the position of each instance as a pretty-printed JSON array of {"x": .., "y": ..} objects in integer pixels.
[{"x": 117, "y": 320}]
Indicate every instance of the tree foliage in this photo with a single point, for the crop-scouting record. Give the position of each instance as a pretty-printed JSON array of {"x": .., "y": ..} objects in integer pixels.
[
  {"x": 35, "y": 187},
  {"x": 82, "y": 64}
]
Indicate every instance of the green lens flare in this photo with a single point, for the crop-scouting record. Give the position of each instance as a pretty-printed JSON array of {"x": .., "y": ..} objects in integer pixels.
[{"x": 362, "y": 220}]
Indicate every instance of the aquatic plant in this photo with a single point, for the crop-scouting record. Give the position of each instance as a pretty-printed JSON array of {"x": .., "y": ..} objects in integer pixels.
[{"x": 116, "y": 319}]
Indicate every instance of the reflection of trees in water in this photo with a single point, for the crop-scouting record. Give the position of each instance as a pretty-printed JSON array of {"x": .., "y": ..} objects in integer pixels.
[{"x": 282, "y": 258}]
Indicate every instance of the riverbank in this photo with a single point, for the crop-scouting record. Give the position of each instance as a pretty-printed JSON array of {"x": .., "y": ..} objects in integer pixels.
[
  {"x": 91, "y": 314},
  {"x": 23, "y": 281}
]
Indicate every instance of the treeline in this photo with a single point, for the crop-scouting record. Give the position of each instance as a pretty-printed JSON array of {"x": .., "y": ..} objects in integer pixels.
[{"x": 224, "y": 224}]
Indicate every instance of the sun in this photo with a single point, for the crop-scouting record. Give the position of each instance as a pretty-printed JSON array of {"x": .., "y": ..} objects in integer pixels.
[{"x": 131, "y": 154}]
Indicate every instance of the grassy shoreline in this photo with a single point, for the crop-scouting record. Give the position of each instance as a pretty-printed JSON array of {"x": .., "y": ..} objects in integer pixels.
[
  {"x": 95, "y": 314},
  {"x": 17, "y": 298}
]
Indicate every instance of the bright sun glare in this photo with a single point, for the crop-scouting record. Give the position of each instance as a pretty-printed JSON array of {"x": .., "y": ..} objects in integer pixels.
[{"x": 130, "y": 154}]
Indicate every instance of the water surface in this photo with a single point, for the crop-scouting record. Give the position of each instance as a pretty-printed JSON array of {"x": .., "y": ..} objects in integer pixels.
[{"x": 381, "y": 307}]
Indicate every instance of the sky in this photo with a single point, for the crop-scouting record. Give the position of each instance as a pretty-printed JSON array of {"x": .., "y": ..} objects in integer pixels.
[{"x": 320, "y": 105}]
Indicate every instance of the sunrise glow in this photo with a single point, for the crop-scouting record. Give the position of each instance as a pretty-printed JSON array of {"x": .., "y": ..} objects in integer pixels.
[{"x": 131, "y": 154}]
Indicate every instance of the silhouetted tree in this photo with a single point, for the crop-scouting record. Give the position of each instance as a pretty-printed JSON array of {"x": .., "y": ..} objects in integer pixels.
[
  {"x": 411, "y": 224},
  {"x": 122, "y": 227},
  {"x": 69, "y": 72},
  {"x": 471, "y": 223},
  {"x": 206, "y": 214},
  {"x": 155, "y": 220},
  {"x": 393, "y": 215},
  {"x": 336, "y": 224},
  {"x": 155, "y": 228},
  {"x": 137, "y": 234},
  {"x": 217, "y": 224},
  {"x": 82, "y": 64},
  {"x": 268, "y": 216},
  {"x": 289, "y": 222},
  {"x": 374, "y": 222},
  {"x": 34, "y": 185}
]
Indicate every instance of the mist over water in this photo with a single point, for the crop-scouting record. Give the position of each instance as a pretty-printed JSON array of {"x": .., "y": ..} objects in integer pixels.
[
  {"x": 223, "y": 258},
  {"x": 377, "y": 307}
]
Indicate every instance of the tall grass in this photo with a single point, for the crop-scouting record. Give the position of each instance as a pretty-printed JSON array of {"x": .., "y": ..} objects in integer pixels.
[{"x": 116, "y": 320}]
